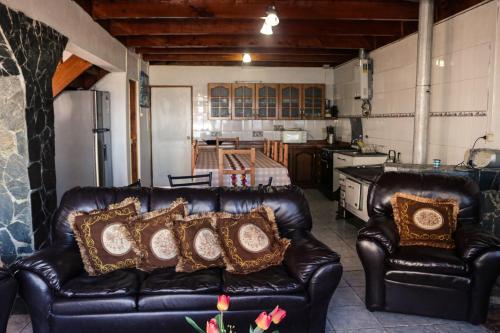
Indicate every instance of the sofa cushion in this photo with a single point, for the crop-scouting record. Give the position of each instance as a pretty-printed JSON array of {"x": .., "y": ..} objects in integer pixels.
[
  {"x": 115, "y": 284},
  {"x": 427, "y": 260},
  {"x": 168, "y": 281},
  {"x": 83, "y": 306},
  {"x": 432, "y": 280},
  {"x": 271, "y": 281}
]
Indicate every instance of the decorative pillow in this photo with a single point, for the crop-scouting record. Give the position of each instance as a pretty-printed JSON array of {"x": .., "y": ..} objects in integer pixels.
[
  {"x": 154, "y": 236},
  {"x": 103, "y": 238},
  {"x": 424, "y": 221},
  {"x": 199, "y": 246},
  {"x": 250, "y": 242}
]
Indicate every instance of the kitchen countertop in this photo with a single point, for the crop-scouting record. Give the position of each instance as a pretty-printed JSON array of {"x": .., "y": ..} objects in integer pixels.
[
  {"x": 357, "y": 153},
  {"x": 369, "y": 173}
]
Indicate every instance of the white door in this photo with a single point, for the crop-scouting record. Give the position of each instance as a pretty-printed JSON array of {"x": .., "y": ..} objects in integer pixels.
[{"x": 171, "y": 132}]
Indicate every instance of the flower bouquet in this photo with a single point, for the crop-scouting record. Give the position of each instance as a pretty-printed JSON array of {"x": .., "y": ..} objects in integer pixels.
[{"x": 216, "y": 324}]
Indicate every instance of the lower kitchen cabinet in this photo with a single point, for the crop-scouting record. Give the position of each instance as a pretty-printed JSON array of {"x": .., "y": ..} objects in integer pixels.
[{"x": 304, "y": 166}]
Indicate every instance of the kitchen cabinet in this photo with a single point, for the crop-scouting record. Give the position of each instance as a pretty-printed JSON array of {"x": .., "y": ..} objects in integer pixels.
[
  {"x": 243, "y": 100},
  {"x": 219, "y": 100},
  {"x": 267, "y": 100},
  {"x": 313, "y": 101},
  {"x": 290, "y": 101},
  {"x": 304, "y": 165}
]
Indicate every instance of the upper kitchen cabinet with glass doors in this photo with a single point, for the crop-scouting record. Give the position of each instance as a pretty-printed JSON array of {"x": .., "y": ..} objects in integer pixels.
[
  {"x": 243, "y": 100},
  {"x": 219, "y": 99},
  {"x": 290, "y": 101},
  {"x": 267, "y": 101},
  {"x": 313, "y": 101}
]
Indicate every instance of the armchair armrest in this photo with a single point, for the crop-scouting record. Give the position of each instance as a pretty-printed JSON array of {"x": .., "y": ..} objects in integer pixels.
[
  {"x": 306, "y": 254},
  {"x": 471, "y": 242},
  {"x": 382, "y": 230},
  {"x": 54, "y": 265}
]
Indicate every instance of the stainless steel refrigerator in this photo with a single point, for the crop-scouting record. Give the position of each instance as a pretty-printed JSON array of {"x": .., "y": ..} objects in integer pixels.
[{"x": 82, "y": 121}]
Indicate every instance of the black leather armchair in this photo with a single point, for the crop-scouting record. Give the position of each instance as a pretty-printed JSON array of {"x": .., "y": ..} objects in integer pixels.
[
  {"x": 61, "y": 297},
  {"x": 454, "y": 284},
  {"x": 8, "y": 291}
]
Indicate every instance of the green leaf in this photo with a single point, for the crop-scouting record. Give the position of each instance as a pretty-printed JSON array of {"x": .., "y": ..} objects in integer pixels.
[
  {"x": 194, "y": 325},
  {"x": 220, "y": 324},
  {"x": 251, "y": 329},
  {"x": 276, "y": 331}
]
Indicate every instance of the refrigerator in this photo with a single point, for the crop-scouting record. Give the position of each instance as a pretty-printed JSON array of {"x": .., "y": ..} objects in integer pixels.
[{"x": 82, "y": 123}]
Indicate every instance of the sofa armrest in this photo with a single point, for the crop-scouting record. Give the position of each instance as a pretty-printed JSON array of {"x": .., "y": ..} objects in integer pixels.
[
  {"x": 306, "y": 255},
  {"x": 471, "y": 241},
  {"x": 382, "y": 230},
  {"x": 54, "y": 265}
]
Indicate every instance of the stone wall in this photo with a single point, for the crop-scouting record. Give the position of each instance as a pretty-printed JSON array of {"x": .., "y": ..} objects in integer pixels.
[{"x": 29, "y": 54}]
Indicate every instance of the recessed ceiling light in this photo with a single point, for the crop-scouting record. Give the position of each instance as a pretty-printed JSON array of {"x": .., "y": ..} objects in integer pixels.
[
  {"x": 247, "y": 58},
  {"x": 266, "y": 29}
]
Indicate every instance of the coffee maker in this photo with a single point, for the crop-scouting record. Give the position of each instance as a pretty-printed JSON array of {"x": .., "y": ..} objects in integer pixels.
[{"x": 330, "y": 131}]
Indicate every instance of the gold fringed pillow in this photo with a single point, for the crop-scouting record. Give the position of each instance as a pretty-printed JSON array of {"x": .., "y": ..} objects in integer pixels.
[
  {"x": 425, "y": 222},
  {"x": 250, "y": 242},
  {"x": 103, "y": 238},
  {"x": 154, "y": 236},
  {"x": 198, "y": 244}
]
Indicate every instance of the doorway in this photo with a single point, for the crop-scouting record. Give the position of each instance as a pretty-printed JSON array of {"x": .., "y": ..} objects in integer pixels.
[
  {"x": 171, "y": 131},
  {"x": 134, "y": 164}
]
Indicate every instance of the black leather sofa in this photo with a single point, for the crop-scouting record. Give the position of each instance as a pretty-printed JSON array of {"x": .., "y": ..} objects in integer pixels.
[
  {"x": 8, "y": 291},
  {"x": 62, "y": 298},
  {"x": 454, "y": 284}
]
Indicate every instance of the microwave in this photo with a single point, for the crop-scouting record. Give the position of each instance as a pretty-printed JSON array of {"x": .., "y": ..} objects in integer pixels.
[{"x": 294, "y": 136}]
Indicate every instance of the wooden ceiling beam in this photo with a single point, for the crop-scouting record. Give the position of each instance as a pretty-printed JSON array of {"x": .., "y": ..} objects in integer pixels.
[
  {"x": 255, "y": 58},
  {"x": 240, "y": 50},
  {"x": 327, "y": 42},
  {"x": 238, "y": 63},
  {"x": 252, "y": 26},
  {"x": 345, "y": 10}
]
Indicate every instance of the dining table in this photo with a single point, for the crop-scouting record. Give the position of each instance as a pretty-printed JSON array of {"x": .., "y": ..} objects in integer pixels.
[{"x": 265, "y": 167}]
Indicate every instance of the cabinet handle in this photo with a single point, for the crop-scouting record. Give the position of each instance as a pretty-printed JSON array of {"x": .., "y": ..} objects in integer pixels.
[{"x": 342, "y": 159}]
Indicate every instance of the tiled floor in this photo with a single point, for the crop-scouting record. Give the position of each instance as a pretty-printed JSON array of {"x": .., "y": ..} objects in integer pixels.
[{"x": 347, "y": 312}]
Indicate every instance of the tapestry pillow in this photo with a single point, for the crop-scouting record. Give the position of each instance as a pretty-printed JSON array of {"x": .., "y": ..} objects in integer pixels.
[
  {"x": 250, "y": 242},
  {"x": 490, "y": 211},
  {"x": 154, "y": 236},
  {"x": 425, "y": 222},
  {"x": 103, "y": 238},
  {"x": 198, "y": 244}
]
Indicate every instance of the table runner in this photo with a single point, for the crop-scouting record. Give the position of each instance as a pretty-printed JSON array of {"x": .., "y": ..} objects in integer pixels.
[{"x": 265, "y": 167}]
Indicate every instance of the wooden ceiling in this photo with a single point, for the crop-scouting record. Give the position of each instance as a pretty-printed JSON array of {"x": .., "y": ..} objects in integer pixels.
[{"x": 218, "y": 32}]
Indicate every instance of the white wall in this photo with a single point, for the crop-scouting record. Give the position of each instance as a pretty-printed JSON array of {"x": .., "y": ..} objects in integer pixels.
[
  {"x": 199, "y": 76},
  {"x": 87, "y": 39},
  {"x": 461, "y": 91}
]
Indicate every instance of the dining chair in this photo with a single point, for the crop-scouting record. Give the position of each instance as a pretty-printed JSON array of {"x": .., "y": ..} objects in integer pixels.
[
  {"x": 267, "y": 147},
  {"x": 208, "y": 181},
  {"x": 283, "y": 154},
  {"x": 194, "y": 156},
  {"x": 275, "y": 145},
  {"x": 235, "y": 142},
  {"x": 222, "y": 153}
]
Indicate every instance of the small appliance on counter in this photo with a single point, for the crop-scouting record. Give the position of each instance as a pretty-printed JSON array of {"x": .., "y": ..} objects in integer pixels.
[
  {"x": 330, "y": 131},
  {"x": 294, "y": 136},
  {"x": 483, "y": 158}
]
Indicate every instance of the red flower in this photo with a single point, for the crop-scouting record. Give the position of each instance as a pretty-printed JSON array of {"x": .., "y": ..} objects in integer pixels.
[
  {"x": 278, "y": 314},
  {"x": 263, "y": 321},
  {"x": 212, "y": 326},
  {"x": 223, "y": 303}
]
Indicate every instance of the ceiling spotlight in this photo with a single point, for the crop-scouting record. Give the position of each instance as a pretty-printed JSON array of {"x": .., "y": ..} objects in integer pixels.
[
  {"x": 266, "y": 29},
  {"x": 247, "y": 58},
  {"x": 272, "y": 16}
]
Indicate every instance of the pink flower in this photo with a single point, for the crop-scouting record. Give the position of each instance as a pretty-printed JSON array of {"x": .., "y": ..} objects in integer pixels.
[
  {"x": 263, "y": 321},
  {"x": 223, "y": 303},
  {"x": 212, "y": 326},
  {"x": 278, "y": 314}
]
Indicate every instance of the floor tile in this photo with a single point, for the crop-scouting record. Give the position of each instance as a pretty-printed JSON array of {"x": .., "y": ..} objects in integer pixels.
[
  {"x": 345, "y": 297},
  {"x": 391, "y": 319},
  {"x": 360, "y": 291},
  {"x": 363, "y": 330},
  {"x": 352, "y": 317},
  {"x": 17, "y": 323},
  {"x": 355, "y": 278}
]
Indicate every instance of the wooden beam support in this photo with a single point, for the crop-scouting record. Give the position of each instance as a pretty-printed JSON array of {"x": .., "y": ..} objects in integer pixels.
[
  {"x": 68, "y": 71},
  {"x": 327, "y": 42},
  {"x": 232, "y": 50},
  {"x": 252, "y": 26},
  {"x": 323, "y": 59},
  {"x": 238, "y": 63},
  {"x": 345, "y": 10}
]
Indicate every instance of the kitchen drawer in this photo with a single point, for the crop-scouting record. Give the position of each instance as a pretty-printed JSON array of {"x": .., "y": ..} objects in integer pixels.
[
  {"x": 341, "y": 161},
  {"x": 353, "y": 194}
]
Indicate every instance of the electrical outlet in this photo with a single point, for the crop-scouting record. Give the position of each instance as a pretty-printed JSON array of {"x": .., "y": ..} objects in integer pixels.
[{"x": 490, "y": 137}]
